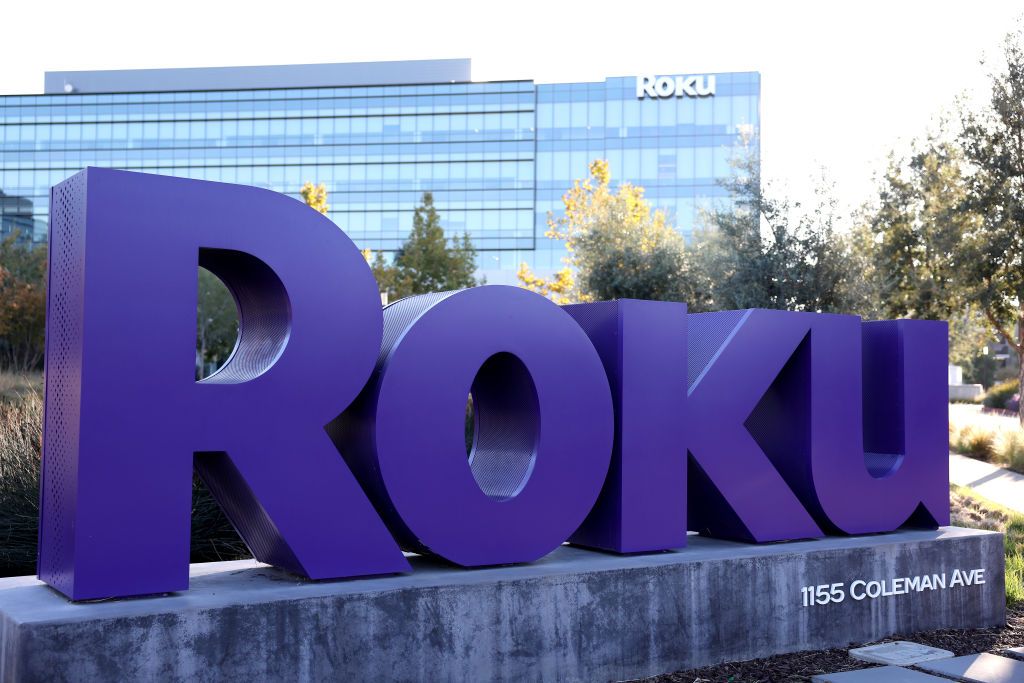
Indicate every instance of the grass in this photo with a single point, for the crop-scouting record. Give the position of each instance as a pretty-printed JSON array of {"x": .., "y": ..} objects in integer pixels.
[
  {"x": 992, "y": 438},
  {"x": 14, "y": 387},
  {"x": 968, "y": 509},
  {"x": 20, "y": 440}
]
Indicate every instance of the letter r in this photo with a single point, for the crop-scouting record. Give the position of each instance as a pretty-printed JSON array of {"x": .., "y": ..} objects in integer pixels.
[
  {"x": 125, "y": 419},
  {"x": 645, "y": 87}
]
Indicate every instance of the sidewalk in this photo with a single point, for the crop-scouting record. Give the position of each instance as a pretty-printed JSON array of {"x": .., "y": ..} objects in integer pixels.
[{"x": 998, "y": 484}]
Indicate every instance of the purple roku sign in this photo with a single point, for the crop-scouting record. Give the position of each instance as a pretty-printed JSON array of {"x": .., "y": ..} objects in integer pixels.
[{"x": 334, "y": 437}]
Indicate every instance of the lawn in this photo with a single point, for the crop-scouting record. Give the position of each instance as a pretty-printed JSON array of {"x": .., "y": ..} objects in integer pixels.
[{"x": 971, "y": 510}]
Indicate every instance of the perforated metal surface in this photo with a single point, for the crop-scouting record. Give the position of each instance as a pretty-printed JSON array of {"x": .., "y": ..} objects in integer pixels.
[
  {"x": 264, "y": 313},
  {"x": 506, "y": 414},
  {"x": 706, "y": 335},
  {"x": 63, "y": 379},
  {"x": 401, "y": 314}
]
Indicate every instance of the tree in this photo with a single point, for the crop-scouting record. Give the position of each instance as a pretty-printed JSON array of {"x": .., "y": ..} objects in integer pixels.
[
  {"x": 991, "y": 267},
  {"x": 561, "y": 288},
  {"x": 969, "y": 333},
  {"x": 767, "y": 251},
  {"x": 950, "y": 224},
  {"x": 315, "y": 196},
  {"x": 22, "y": 304},
  {"x": 427, "y": 262},
  {"x": 216, "y": 323},
  {"x": 918, "y": 223},
  {"x": 618, "y": 247},
  {"x": 863, "y": 289}
]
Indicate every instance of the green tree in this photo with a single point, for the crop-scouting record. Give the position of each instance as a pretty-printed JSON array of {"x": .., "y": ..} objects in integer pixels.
[
  {"x": 618, "y": 247},
  {"x": 949, "y": 225},
  {"x": 991, "y": 254},
  {"x": 427, "y": 261},
  {"x": 767, "y": 251},
  {"x": 216, "y": 323},
  {"x": 914, "y": 233},
  {"x": 918, "y": 224},
  {"x": 969, "y": 333},
  {"x": 863, "y": 288},
  {"x": 22, "y": 304}
]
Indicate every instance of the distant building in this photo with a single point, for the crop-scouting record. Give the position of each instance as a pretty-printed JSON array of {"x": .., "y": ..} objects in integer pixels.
[
  {"x": 16, "y": 215},
  {"x": 497, "y": 156}
]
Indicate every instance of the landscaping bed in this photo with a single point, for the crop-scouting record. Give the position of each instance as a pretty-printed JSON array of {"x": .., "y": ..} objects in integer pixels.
[{"x": 801, "y": 666}]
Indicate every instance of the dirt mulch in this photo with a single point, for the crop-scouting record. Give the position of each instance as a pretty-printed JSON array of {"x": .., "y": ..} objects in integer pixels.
[{"x": 800, "y": 666}]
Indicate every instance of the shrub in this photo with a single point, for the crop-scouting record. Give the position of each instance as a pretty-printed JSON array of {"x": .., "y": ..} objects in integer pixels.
[
  {"x": 999, "y": 394},
  {"x": 977, "y": 443},
  {"x": 1011, "y": 450}
]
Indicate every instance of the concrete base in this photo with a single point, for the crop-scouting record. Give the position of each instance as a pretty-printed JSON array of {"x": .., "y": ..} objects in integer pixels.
[{"x": 576, "y": 615}]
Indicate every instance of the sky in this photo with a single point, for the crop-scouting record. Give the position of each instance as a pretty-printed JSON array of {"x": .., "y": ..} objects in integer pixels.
[{"x": 842, "y": 83}]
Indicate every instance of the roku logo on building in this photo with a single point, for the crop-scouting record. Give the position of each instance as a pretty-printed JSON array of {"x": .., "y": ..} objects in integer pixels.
[
  {"x": 334, "y": 437},
  {"x": 661, "y": 87}
]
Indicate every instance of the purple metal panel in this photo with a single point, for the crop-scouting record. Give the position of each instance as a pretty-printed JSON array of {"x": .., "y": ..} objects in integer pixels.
[
  {"x": 782, "y": 400},
  {"x": 811, "y": 422},
  {"x": 735, "y": 490},
  {"x": 310, "y": 331},
  {"x": 64, "y": 340},
  {"x": 544, "y": 426},
  {"x": 642, "y": 345}
]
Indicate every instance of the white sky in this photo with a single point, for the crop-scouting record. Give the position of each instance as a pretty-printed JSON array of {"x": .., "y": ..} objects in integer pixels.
[{"x": 841, "y": 84}]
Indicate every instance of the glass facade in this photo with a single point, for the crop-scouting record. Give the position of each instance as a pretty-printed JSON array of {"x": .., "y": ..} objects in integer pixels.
[{"x": 497, "y": 156}]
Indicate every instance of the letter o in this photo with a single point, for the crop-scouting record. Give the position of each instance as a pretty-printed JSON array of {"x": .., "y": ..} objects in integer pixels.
[
  {"x": 664, "y": 86},
  {"x": 543, "y": 415}
]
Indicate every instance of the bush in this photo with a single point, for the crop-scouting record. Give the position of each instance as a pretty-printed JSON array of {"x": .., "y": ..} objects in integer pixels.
[
  {"x": 976, "y": 442},
  {"x": 1000, "y": 394},
  {"x": 989, "y": 441},
  {"x": 1011, "y": 450},
  {"x": 213, "y": 537}
]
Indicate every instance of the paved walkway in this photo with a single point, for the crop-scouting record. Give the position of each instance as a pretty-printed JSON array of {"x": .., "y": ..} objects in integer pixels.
[
  {"x": 1006, "y": 667},
  {"x": 998, "y": 484}
]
